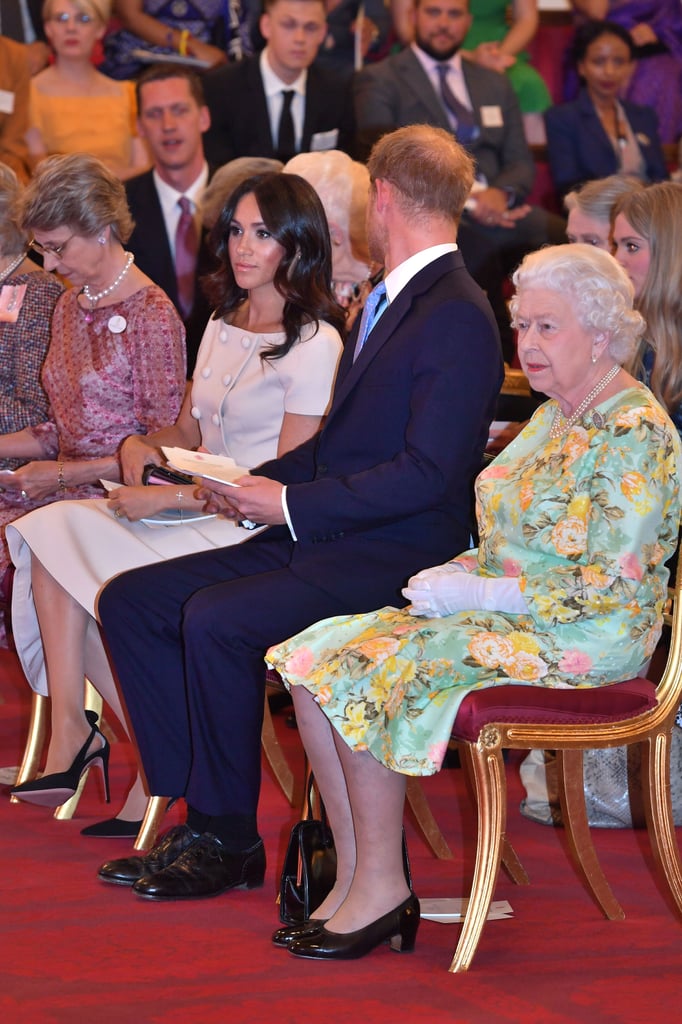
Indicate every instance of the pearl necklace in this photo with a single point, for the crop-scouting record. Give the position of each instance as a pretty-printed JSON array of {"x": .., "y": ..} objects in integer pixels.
[
  {"x": 560, "y": 425},
  {"x": 12, "y": 266},
  {"x": 94, "y": 299}
]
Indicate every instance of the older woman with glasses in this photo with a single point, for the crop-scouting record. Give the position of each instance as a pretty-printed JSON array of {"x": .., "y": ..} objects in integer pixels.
[{"x": 115, "y": 365}]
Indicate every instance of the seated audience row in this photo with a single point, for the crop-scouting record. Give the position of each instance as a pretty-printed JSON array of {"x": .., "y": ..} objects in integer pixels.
[
  {"x": 261, "y": 386},
  {"x": 655, "y": 27},
  {"x": 599, "y": 134},
  {"x": 113, "y": 367},
  {"x": 203, "y": 743}
]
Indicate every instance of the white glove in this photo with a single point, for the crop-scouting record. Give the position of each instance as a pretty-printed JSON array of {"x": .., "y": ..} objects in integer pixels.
[{"x": 448, "y": 588}]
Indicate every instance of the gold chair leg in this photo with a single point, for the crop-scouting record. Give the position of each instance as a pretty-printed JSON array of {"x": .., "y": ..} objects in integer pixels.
[
  {"x": 65, "y": 811},
  {"x": 510, "y": 860},
  {"x": 275, "y": 756},
  {"x": 419, "y": 805},
  {"x": 491, "y": 801},
  {"x": 151, "y": 823},
  {"x": 574, "y": 817},
  {"x": 658, "y": 811},
  {"x": 34, "y": 741}
]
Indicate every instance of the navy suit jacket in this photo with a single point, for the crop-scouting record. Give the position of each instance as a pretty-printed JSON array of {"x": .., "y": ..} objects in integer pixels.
[
  {"x": 151, "y": 247},
  {"x": 385, "y": 489},
  {"x": 579, "y": 149},
  {"x": 240, "y": 123},
  {"x": 397, "y": 92}
]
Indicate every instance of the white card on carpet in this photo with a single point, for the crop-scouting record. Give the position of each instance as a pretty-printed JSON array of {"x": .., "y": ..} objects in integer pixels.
[{"x": 452, "y": 911}]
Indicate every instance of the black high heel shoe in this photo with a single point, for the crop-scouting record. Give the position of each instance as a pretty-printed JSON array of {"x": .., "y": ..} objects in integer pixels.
[
  {"x": 398, "y": 927},
  {"x": 118, "y": 828},
  {"x": 55, "y": 789}
]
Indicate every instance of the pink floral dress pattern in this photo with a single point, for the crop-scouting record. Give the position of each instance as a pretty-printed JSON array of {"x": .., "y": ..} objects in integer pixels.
[
  {"x": 585, "y": 522},
  {"x": 103, "y": 384}
]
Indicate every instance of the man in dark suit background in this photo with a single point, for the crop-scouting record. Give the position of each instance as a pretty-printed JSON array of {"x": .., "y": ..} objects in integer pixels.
[
  {"x": 172, "y": 116},
  {"x": 383, "y": 490},
  {"x": 479, "y": 106},
  {"x": 22, "y": 20},
  {"x": 249, "y": 101}
]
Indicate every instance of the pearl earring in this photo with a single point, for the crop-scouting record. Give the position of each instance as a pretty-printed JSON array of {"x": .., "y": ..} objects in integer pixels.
[
  {"x": 101, "y": 240},
  {"x": 594, "y": 358}
]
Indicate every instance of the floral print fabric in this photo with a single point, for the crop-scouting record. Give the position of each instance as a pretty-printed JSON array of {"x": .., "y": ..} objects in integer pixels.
[{"x": 585, "y": 522}]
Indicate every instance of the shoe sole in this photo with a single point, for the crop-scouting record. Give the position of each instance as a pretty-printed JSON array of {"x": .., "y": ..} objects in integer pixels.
[
  {"x": 199, "y": 896},
  {"x": 118, "y": 881}
]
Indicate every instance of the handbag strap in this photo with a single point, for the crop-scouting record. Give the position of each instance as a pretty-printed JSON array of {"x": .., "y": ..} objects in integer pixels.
[{"x": 310, "y": 789}]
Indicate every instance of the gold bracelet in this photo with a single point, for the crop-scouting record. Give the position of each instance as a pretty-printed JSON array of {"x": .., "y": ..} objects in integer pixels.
[
  {"x": 182, "y": 42},
  {"x": 61, "y": 482}
]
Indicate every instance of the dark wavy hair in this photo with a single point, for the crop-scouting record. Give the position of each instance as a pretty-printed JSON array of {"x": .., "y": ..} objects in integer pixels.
[
  {"x": 592, "y": 30},
  {"x": 294, "y": 216}
]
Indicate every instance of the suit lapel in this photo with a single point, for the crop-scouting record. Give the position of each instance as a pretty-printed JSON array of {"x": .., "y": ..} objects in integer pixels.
[
  {"x": 387, "y": 325},
  {"x": 417, "y": 83}
]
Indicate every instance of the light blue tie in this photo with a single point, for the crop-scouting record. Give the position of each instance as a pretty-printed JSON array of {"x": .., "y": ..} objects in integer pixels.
[{"x": 375, "y": 304}]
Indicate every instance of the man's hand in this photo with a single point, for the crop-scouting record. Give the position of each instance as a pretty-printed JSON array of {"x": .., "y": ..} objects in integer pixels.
[
  {"x": 256, "y": 498},
  {"x": 491, "y": 209}
]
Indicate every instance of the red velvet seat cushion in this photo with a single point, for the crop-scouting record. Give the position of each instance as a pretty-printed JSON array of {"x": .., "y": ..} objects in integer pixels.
[{"x": 545, "y": 706}]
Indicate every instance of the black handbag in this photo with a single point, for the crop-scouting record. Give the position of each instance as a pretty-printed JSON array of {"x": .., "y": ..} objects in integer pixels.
[{"x": 309, "y": 870}]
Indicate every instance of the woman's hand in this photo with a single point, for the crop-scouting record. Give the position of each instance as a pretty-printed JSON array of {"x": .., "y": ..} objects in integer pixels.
[
  {"x": 35, "y": 480},
  {"x": 489, "y": 55},
  {"x": 448, "y": 588},
  {"x": 213, "y": 55},
  {"x": 135, "y": 503},
  {"x": 135, "y": 454}
]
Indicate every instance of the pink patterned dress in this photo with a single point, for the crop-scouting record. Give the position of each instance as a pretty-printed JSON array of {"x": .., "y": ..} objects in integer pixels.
[{"x": 123, "y": 373}]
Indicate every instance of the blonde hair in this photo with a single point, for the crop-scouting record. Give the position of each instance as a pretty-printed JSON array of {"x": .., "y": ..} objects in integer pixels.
[
  {"x": 655, "y": 213},
  {"x": 99, "y": 9}
]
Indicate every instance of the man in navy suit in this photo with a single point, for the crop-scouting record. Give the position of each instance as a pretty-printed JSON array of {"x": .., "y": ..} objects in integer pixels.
[
  {"x": 172, "y": 117},
  {"x": 384, "y": 489},
  {"x": 246, "y": 99},
  {"x": 498, "y": 227}
]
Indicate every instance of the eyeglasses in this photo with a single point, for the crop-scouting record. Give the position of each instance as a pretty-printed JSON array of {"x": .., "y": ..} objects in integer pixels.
[
  {"x": 50, "y": 250},
  {"x": 81, "y": 18}
]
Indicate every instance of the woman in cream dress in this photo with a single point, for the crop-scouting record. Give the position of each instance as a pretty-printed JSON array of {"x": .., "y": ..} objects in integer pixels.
[{"x": 261, "y": 385}]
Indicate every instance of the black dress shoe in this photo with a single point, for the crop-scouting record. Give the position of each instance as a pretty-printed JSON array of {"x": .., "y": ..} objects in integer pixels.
[
  {"x": 285, "y": 936},
  {"x": 128, "y": 870},
  {"x": 206, "y": 868},
  {"x": 399, "y": 927}
]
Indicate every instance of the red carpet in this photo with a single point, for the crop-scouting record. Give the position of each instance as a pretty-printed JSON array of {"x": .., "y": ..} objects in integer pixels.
[{"x": 74, "y": 949}]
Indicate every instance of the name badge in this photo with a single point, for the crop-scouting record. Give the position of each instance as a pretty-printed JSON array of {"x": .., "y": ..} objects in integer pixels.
[
  {"x": 491, "y": 117},
  {"x": 6, "y": 101},
  {"x": 11, "y": 298},
  {"x": 324, "y": 140}
]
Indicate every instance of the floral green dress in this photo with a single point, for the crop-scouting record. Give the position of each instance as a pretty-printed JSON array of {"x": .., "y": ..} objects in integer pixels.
[{"x": 585, "y": 522}]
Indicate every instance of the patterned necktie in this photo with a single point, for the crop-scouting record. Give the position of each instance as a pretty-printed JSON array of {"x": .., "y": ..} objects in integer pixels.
[
  {"x": 186, "y": 249},
  {"x": 376, "y": 303},
  {"x": 467, "y": 129},
  {"x": 286, "y": 137}
]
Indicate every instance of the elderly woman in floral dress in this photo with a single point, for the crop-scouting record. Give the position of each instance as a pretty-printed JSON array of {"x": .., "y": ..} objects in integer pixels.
[{"x": 577, "y": 517}]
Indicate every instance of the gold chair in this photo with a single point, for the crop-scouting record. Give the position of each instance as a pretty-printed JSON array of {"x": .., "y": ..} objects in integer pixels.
[
  {"x": 35, "y": 741},
  {"x": 570, "y": 721}
]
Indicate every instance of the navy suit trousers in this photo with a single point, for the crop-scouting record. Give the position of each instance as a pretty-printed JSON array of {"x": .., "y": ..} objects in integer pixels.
[{"x": 187, "y": 638}]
